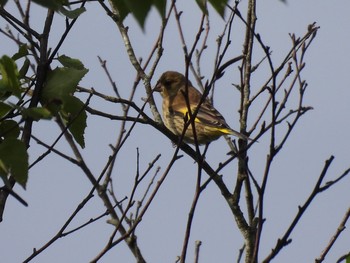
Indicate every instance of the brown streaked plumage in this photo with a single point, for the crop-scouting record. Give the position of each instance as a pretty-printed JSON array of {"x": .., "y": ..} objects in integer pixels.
[{"x": 209, "y": 123}]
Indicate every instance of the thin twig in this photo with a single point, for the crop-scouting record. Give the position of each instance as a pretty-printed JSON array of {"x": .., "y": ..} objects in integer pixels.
[
  {"x": 318, "y": 188},
  {"x": 334, "y": 238}
]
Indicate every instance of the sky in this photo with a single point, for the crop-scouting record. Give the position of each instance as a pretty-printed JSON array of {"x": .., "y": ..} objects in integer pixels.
[{"x": 55, "y": 187}]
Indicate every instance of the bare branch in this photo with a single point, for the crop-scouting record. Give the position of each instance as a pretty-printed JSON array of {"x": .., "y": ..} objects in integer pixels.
[
  {"x": 63, "y": 228},
  {"x": 334, "y": 238},
  {"x": 284, "y": 241},
  {"x": 196, "y": 254}
]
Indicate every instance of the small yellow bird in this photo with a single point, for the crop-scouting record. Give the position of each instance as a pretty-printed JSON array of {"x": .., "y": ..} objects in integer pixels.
[{"x": 209, "y": 123}]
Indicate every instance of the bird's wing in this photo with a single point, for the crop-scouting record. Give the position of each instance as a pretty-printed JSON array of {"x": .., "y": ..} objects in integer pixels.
[
  {"x": 209, "y": 116},
  {"x": 206, "y": 115}
]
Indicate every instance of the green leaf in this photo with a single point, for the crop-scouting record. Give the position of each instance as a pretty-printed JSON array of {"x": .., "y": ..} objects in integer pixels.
[
  {"x": 9, "y": 82},
  {"x": 161, "y": 7},
  {"x": 57, "y": 96},
  {"x": 139, "y": 9},
  {"x": 203, "y": 5},
  {"x": 61, "y": 83},
  {"x": 348, "y": 258},
  {"x": 219, "y": 6},
  {"x": 71, "y": 62},
  {"x": 51, "y": 4},
  {"x": 24, "y": 69},
  {"x": 22, "y": 52},
  {"x": 121, "y": 7},
  {"x": 3, "y": 171},
  {"x": 72, "y": 14},
  {"x": 3, "y": 2},
  {"x": 4, "y": 109},
  {"x": 58, "y": 6},
  {"x": 75, "y": 117},
  {"x": 37, "y": 113},
  {"x": 9, "y": 129},
  {"x": 14, "y": 158}
]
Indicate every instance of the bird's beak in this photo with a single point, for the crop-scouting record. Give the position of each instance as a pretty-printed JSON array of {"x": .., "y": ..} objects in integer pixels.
[{"x": 158, "y": 87}]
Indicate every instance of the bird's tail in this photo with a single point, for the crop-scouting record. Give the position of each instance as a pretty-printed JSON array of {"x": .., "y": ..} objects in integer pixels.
[{"x": 240, "y": 135}]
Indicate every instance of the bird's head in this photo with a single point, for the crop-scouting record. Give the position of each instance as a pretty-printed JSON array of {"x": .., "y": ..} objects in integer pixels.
[{"x": 169, "y": 83}]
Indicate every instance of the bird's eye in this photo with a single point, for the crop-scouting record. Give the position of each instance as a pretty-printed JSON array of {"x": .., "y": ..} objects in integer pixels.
[{"x": 167, "y": 83}]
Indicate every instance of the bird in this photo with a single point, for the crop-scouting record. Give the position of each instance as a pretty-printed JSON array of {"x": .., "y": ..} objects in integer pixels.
[{"x": 209, "y": 123}]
